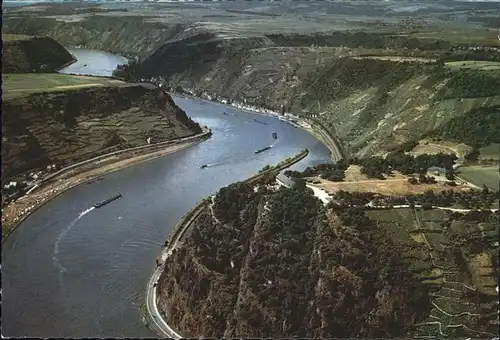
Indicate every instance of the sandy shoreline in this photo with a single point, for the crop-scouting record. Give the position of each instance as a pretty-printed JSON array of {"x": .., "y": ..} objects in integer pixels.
[{"x": 16, "y": 212}]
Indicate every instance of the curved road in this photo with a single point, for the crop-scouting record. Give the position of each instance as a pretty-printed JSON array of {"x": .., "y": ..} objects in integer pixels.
[
  {"x": 71, "y": 277},
  {"x": 152, "y": 307}
]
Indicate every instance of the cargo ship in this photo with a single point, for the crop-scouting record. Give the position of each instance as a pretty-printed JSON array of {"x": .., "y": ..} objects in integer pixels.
[
  {"x": 109, "y": 200},
  {"x": 262, "y": 150}
]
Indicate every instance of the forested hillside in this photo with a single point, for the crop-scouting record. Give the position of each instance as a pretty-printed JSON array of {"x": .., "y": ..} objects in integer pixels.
[{"x": 272, "y": 263}]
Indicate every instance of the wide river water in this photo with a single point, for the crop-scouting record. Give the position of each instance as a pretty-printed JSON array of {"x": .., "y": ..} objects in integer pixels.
[
  {"x": 68, "y": 271},
  {"x": 93, "y": 62}
]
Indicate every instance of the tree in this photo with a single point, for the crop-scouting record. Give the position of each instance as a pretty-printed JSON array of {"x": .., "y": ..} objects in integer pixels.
[
  {"x": 412, "y": 180},
  {"x": 179, "y": 89},
  {"x": 300, "y": 183}
]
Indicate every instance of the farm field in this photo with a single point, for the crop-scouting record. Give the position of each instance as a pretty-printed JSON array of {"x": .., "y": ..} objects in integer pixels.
[
  {"x": 15, "y": 37},
  {"x": 434, "y": 147},
  {"x": 489, "y": 152},
  {"x": 400, "y": 59},
  {"x": 474, "y": 64},
  {"x": 481, "y": 175},
  {"x": 396, "y": 184},
  {"x": 19, "y": 85}
]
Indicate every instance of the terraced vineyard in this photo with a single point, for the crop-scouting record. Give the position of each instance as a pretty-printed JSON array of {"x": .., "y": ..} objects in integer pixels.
[
  {"x": 457, "y": 257},
  {"x": 53, "y": 122}
]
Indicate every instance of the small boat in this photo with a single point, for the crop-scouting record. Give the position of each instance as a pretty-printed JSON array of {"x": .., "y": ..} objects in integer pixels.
[
  {"x": 262, "y": 150},
  {"x": 85, "y": 65},
  {"x": 203, "y": 166},
  {"x": 109, "y": 200},
  {"x": 275, "y": 135},
  {"x": 224, "y": 113}
]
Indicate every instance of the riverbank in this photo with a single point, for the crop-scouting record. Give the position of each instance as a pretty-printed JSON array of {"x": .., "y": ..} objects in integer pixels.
[
  {"x": 17, "y": 211},
  {"x": 186, "y": 220},
  {"x": 309, "y": 125},
  {"x": 71, "y": 62},
  {"x": 157, "y": 322}
]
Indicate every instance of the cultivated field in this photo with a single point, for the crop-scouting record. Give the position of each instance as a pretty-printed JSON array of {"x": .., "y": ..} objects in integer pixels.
[
  {"x": 434, "y": 147},
  {"x": 481, "y": 175},
  {"x": 15, "y": 37},
  {"x": 490, "y": 152},
  {"x": 439, "y": 252},
  {"x": 475, "y": 64},
  {"x": 19, "y": 85},
  {"x": 396, "y": 184},
  {"x": 400, "y": 59}
]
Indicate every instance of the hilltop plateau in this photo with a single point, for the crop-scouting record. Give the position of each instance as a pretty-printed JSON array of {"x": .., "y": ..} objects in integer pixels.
[
  {"x": 25, "y": 54},
  {"x": 62, "y": 119},
  {"x": 374, "y": 75}
]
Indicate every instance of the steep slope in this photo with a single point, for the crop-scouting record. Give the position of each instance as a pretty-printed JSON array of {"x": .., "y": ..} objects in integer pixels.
[
  {"x": 24, "y": 54},
  {"x": 373, "y": 89},
  {"x": 62, "y": 127},
  {"x": 276, "y": 264},
  {"x": 271, "y": 263},
  {"x": 370, "y": 103},
  {"x": 127, "y": 35}
]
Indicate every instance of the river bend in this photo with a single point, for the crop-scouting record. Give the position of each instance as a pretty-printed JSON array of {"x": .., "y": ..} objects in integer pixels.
[{"x": 69, "y": 271}]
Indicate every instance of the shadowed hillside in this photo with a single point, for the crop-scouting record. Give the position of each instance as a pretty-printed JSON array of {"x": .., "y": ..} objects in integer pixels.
[
  {"x": 273, "y": 263},
  {"x": 23, "y": 54},
  {"x": 76, "y": 123}
]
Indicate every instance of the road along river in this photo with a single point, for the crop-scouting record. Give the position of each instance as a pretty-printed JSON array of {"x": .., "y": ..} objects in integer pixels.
[{"x": 72, "y": 271}]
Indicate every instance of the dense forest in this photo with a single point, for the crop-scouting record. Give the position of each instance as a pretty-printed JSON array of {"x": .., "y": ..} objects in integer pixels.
[
  {"x": 480, "y": 127},
  {"x": 379, "y": 167},
  {"x": 471, "y": 84},
  {"x": 277, "y": 263},
  {"x": 473, "y": 199},
  {"x": 353, "y": 74}
]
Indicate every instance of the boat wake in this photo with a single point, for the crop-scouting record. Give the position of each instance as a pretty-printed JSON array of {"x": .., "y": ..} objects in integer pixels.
[
  {"x": 55, "y": 255},
  {"x": 210, "y": 165}
]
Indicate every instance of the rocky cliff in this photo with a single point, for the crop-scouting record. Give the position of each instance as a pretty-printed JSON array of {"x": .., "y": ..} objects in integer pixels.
[
  {"x": 63, "y": 127},
  {"x": 25, "y": 54},
  {"x": 272, "y": 263}
]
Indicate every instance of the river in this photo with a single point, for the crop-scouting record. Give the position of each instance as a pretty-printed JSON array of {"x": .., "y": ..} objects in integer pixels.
[
  {"x": 68, "y": 271},
  {"x": 93, "y": 62}
]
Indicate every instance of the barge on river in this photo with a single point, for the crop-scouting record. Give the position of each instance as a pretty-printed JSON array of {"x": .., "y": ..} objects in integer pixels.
[
  {"x": 262, "y": 150},
  {"x": 109, "y": 200}
]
